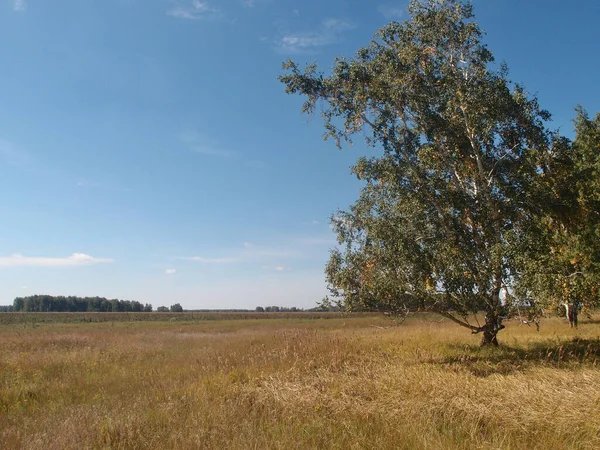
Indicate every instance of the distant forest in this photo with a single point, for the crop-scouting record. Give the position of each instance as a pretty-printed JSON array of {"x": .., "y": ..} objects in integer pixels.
[
  {"x": 49, "y": 303},
  {"x": 320, "y": 308}
]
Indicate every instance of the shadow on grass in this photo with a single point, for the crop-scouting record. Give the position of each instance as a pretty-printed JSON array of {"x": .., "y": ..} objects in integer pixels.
[
  {"x": 590, "y": 321},
  {"x": 505, "y": 360}
]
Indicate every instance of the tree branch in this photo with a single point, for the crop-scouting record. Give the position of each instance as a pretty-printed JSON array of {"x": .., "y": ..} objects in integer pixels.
[{"x": 449, "y": 316}]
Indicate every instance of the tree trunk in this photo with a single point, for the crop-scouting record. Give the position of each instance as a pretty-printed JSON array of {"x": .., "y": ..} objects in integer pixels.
[
  {"x": 571, "y": 310},
  {"x": 573, "y": 316},
  {"x": 490, "y": 331},
  {"x": 489, "y": 338}
]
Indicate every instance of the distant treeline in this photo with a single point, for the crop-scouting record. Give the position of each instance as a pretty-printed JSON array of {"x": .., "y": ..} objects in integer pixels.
[
  {"x": 320, "y": 308},
  {"x": 49, "y": 303},
  {"x": 277, "y": 309}
]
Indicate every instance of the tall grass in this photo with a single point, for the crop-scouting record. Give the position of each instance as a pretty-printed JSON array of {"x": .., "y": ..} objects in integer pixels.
[{"x": 343, "y": 383}]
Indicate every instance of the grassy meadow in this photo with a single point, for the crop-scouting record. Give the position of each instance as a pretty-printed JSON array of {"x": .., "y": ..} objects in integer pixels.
[{"x": 297, "y": 383}]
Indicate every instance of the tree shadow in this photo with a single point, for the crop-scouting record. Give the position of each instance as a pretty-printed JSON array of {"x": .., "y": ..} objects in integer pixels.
[
  {"x": 504, "y": 360},
  {"x": 592, "y": 321}
]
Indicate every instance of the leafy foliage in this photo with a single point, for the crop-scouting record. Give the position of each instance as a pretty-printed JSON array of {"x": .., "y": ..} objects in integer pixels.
[
  {"x": 561, "y": 262},
  {"x": 176, "y": 308}
]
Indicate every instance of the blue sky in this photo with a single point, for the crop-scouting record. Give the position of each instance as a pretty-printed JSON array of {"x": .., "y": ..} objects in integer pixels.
[{"x": 148, "y": 152}]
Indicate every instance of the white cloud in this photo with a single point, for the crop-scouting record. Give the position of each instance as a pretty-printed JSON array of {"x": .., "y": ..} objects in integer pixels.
[
  {"x": 275, "y": 268},
  {"x": 338, "y": 25},
  {"x": 254, "y": 252},
  {"x": 253, "y": 3},
  {"x": 391, "y": 10},
  {"x": 275, "y": 251},
  {"x": 170, "y": 271},
  {"x": 76, "y": 259},
  {"x": 20, "y": 5},
  {"x": 328, "y": 33},
  {"x": 193, "y": 10},
  {"x": 212, "y": 260}
]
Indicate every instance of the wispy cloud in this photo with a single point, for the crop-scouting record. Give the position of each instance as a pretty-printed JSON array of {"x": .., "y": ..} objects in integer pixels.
[
  {"x": 205, "y": 146},
  {"x": 253, "y": 253},
  {"x": 329, "y": 32},
  {"x": 392, "y": 10},
  {"x": 271, "y": 256},
  {"x": 193, "y": 10},
  {"x": 319, "y": 241},
  {"x": 86, "y": 183},
  {"x": 201, "y": 259},
  {"x": 214, "y": 151},
  {"x": 275, "y": 268},
  {"x": 20, "y": 5},
  {"x": 14, "y": 156},
  {"x": 11, "y": 155},
  {"x": 171, "y": 271},
  {"x": 76, "y": 259},
  {"x": 253, "y": 3}
]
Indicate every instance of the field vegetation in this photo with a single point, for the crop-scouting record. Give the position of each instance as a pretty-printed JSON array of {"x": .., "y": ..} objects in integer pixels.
[
  {"x": 35, "y": 319},
  {"x": 350, "y": 382}
]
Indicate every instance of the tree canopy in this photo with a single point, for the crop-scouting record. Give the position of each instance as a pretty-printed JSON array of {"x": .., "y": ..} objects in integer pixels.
[
  {"x": 448, "y": 207},
  {"x": 561, "y": 262},
  {"x": 176, "y": 308}
]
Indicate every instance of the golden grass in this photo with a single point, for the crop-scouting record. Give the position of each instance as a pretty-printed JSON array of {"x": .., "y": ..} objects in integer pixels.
[{"x": 297, "y": 384}]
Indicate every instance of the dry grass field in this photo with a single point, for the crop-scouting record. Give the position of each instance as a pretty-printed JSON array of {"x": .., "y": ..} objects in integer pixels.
[{"x": 341, "y": 383}]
